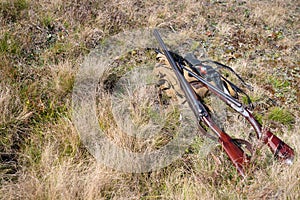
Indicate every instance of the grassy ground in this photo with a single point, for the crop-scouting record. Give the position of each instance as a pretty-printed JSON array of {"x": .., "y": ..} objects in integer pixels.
[{"x": 43, "y": 43}]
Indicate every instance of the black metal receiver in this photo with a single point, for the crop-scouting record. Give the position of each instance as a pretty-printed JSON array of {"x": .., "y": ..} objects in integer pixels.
[{"x": 234, "y": 152}]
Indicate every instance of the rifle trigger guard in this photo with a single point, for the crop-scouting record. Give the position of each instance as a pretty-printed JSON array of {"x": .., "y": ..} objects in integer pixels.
[{"x": 247, "y": 144}]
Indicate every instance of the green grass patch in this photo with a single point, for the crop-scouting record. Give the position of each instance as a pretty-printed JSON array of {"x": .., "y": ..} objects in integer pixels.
[
  {"x": 47, "y": 21},
  {"x": 281, "y": 115},
  {"x": 258, "y": 117},
  {"x": 9, "y": 45},
  {"x": 278, "y": 83}
]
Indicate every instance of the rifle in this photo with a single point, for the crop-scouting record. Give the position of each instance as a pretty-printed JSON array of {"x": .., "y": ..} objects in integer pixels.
[
  {"x": 234, "y": 152},
  {"x": 280, "y": 149}
]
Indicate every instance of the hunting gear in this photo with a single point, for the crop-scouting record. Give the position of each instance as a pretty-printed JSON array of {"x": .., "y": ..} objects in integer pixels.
[
  {"x": 196, "y": 78},
  {"x": 169, "y": 83}
]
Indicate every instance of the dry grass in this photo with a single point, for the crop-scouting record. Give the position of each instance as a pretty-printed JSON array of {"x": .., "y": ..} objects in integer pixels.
[{"x": 42, "y": 45}]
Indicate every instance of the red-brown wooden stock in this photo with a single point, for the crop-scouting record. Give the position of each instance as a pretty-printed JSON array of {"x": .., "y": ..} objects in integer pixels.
[
  {"x": 281, "y": 150},
  {"x": 234, "y": 152}
]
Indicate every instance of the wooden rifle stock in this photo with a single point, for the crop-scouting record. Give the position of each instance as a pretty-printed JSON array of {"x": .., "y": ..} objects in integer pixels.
[
  {"x": 234, "y": 152},
  {"x": 281, "y": 150}
]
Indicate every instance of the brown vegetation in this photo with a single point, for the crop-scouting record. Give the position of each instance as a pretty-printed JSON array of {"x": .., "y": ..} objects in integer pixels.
[{"x": 43, "y": 43}]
